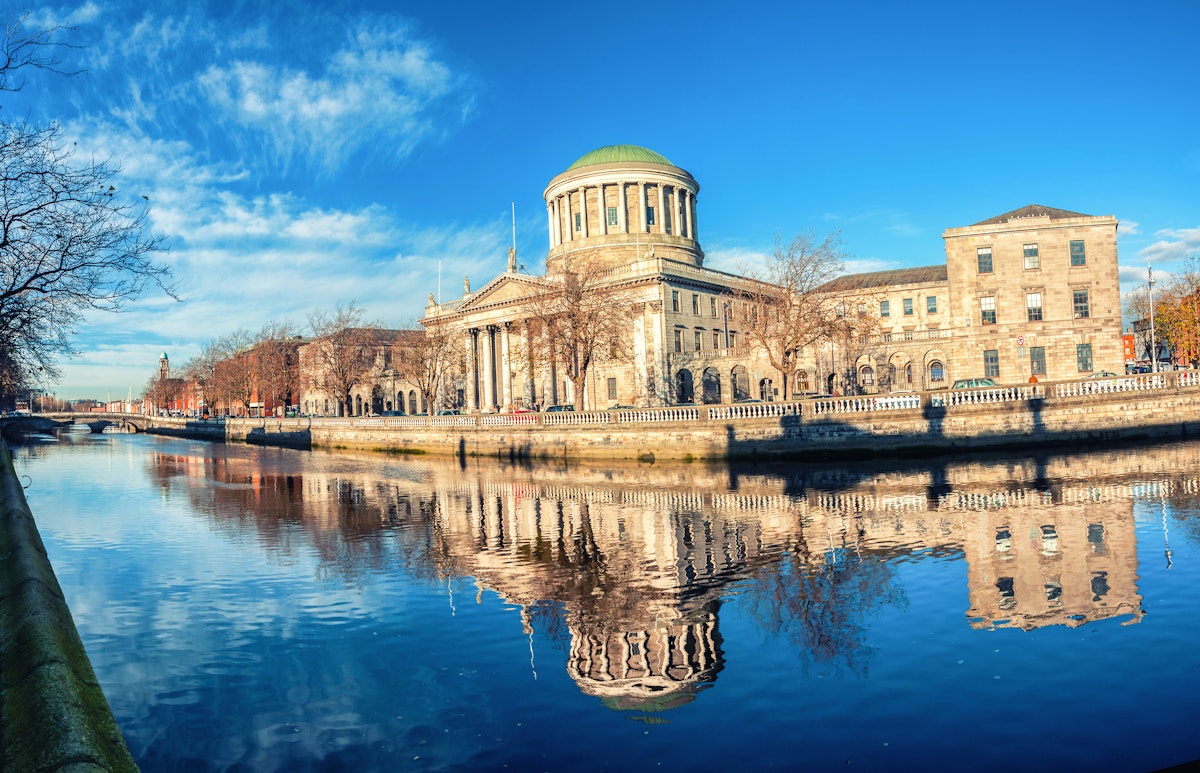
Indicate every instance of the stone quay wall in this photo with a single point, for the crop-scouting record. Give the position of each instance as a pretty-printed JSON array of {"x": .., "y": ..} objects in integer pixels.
[
  {"x": 1161, "y": 406},
  {"x": 53, "y": 714}
]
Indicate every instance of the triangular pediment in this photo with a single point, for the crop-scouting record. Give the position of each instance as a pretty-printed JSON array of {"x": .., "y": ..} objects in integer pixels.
[{"x": 505, "y": 288}]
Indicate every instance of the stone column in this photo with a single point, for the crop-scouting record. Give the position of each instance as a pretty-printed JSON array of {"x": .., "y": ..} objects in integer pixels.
[
  {"x": 558, "y": 234},
  {"x": 472, "y": 402},
  {"x": 570, "y": 220},
  {"x": 506, "y": 396},
  {"x": 583, "y": 211},
  {"x": 658, "y": 369},
  {"x": 601, "y": 209},
  {"x": 550, "y": 223},
  {"x": 641, "y": 186},
  {"x": 639, "y": 350},
  {"x": 489, "y": 369},
  {"x": 662, "y": 210},
  {"x": 623, "y": 209},
  {"x": 691, "y": 220}
]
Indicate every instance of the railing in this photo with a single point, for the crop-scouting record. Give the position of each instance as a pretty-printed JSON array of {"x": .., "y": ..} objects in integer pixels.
[
  {"x": 753, "y": 410},
  {"x": 1097, "y": 386},
  {"x": 993, "y": 395},
  {"x": 865, "y": 403}
]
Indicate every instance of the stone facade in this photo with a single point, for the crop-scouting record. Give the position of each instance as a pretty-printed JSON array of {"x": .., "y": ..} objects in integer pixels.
[{"x": 1032, "y": 293}]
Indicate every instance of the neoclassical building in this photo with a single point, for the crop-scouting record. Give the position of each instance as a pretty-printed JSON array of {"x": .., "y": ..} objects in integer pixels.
[{"x": 1033, "y": 292}]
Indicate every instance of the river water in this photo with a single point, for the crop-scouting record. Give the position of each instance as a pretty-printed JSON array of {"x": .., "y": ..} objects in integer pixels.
[{"x": 260, "y": 609}]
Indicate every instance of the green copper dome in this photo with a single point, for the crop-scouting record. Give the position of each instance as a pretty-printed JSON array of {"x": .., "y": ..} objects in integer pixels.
[{"x": 617, "y": 153}]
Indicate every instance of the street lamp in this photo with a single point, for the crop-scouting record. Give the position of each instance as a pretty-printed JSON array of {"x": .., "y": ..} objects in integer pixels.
[{"x": 1153, "y": 346}]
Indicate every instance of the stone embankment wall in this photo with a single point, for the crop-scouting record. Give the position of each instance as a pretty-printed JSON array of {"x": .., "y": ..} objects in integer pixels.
[
  {"x": 1070, "y": 413},
  {"x": 53, "y": 714}
]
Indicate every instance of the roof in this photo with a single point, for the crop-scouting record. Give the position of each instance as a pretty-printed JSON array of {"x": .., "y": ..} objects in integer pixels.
[
  {"x": 896, "y": 276},
  {"x": 1033, "y": 210},
  {"x": 617, "y": 153}
]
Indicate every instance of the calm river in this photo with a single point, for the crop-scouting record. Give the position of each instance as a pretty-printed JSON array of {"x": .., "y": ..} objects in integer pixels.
[{"x": 259, "y": 609}]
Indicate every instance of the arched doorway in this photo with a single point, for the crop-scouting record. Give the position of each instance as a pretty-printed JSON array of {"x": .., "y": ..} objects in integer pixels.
[
  {"x": 710, "y": 391},
  {"x": 766, "y": 389},
  {"x": 740, "y": 380},
  {"x": 684, "y": 390},
  {"x": 412, "y": 401},
  {"x": 377, "y": 400},
  {"x": 357, "y": 410}
]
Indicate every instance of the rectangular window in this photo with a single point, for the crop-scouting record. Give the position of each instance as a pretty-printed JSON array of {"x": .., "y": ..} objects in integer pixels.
[
  {"x": 1032, "y": 260},
  {"x": 987, "y": 310},
  {"x": 991, "y": 363},
  {"x": 1078, "y": 253},
  {"x": 732, "y": 339},
  {"x": 697, "y": 340},
  {"x": 716, "y": 341},
  {"x": 983, "y": 257},
  {"x": 908, "y": 307},
  {"x": 578, "y": 222},
  {"x": 712, "y": 306},
  {"x": 679, "y": 340},
  {"x": 908, "y": 335},
  {"x": 612, "y": 389},
  {"x": 1033, "y": 306},
  {"x": 649, "y": 215},
  {"x": 612, "y": 216},
  {"x": 887, "y": 338},
  {"x": 695, "y": 304},
  {"x": 674, "y": 300},
  {"x": 1037, "y": 360},
  {"x": 1083, "y": 356},
  {"x": 931, "y": 304},
  {"x": 885, "y": 309},
  {"x": 1082, "y": 310}
]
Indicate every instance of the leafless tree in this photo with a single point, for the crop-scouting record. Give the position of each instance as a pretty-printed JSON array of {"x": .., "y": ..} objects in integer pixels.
[
  {"x": 275, "y": 363},
  {"x": 345, "y": 349},
  {"x": 782, "y": 312},
  {"x": 202, "y": 371},
  {"x": 581, "y": 318},
  {"x": 70, "y": 241},
  {"x": 235, "y": 376},
  {"x": 428, "y": 360}
]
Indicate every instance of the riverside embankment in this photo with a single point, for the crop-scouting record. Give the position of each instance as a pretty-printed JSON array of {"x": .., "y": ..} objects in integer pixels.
[
  {"x": 1151, "y": 406},
  {"x": 53, "y": 714}
]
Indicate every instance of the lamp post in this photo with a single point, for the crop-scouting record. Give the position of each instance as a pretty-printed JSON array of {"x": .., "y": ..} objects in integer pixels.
[{"x": 1153, "y": 344}]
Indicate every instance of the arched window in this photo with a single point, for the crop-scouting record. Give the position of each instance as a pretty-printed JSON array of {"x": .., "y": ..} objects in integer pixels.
[
  {"x": 908, "y": 375},
  {"x": 684, "y": 392},
  {"x": 710, "y": 386},
  {"x": 867, "y": 375},
  {"x": 740, "y": 380},
  {"x": 936, "y": 372}
]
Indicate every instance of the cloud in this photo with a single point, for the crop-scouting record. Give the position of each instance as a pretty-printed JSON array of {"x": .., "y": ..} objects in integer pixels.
[
  {"x": 1174, "y": 244},
  {"x": 1127, "y": 228}
]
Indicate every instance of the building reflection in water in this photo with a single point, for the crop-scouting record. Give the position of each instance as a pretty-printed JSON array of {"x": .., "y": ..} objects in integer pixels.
[{"x": 627, "y": 566}]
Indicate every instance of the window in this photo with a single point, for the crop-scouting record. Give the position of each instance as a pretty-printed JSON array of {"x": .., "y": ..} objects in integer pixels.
[
  {"x": 1083, "y": 357},
  {"x": 1037, "y": 360},
  {"x": 1078, "y": 253},
  {"x": 867, "y": 375},
  {"x": 983, "y": 257},
  {"x": 695, "y": 304},
  {"x": 937, "y": 372},
  {"x": 862, "y": 309},
  {"x": 679, "y": 340},
  {"x": 649, "y": 215},
  {"x": 908, "y": 335},
  {"x": 908, "y": 307},
  {"x": 1033, "y": 307},
  {"x": 1081, "y": 304},
  {"x": 732, "y": 339},
  {"x": 578, "y": 222},
  {"x": 885, "y": 308},
  {"x": 612, "y": 216},
  {"x": 931, "y": 304},
  {"x": 991, "y": 363},
  {"x": 697, "y": 340},
  {"x": 712, "y": 306},
  {"x": 674, "y": 300},
  {"x": 1032, "y": 260},
  {"x": 887, "y": 338},
  {"x": 612, "y": 389},
  {"x": 987, "y": 310},
  {"x": 716, "y": 340}
]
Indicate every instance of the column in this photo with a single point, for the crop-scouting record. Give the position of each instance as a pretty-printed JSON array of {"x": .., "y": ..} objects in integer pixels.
[
  {"x": 506, "y": 396},
  {"x": 641, "y": 205},
  {"x": 687, "y": 212},
  {"x": 570, "y": 220},
  {"x": 583, "y": 211},
  {"x": 677, "y": 211},
  {"x": 558, "y": 236},
  {"x": 601, "y": 209},
  {"x": 622, "y": 209},
  {"x": 550, "y": 223},
  {"x": 489, "y": 370},
  {"x": 472, "y": 403},
  {"x": 658, "y": 368},
  {"x": 662, "y": 210},
  {"x": 639, "y": 349}
]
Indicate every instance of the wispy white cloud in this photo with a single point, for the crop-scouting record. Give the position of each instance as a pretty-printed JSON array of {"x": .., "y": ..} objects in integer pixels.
[
  {"x": 1127, "y": 228},
  {"x": 1174, "y": 244}
]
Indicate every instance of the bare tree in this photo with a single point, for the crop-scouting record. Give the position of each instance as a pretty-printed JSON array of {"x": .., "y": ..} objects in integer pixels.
[
  {"x": 276, "y": 364},
  {"x": 428, "y": 360},
  {"x": 202, "y": 371},
  {"x": 782, "y": 311},
  {"x": 70, "y": 241},
  {"x": 345, "y": 350},
  {"x": 582, "y": 318}
]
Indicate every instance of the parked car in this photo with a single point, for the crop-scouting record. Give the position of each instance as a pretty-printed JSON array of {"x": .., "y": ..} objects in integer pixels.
[
  {"x": 450, "y": 412},
  {"x": 559, "y": 408},
  {"x": 619, "y": 407},
  {"x": 974, "y": 383},
  {"x": 1103, "y": 374}
]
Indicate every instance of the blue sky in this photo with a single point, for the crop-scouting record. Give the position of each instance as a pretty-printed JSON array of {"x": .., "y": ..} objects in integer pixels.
[{"x": 298, "y": 155}]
